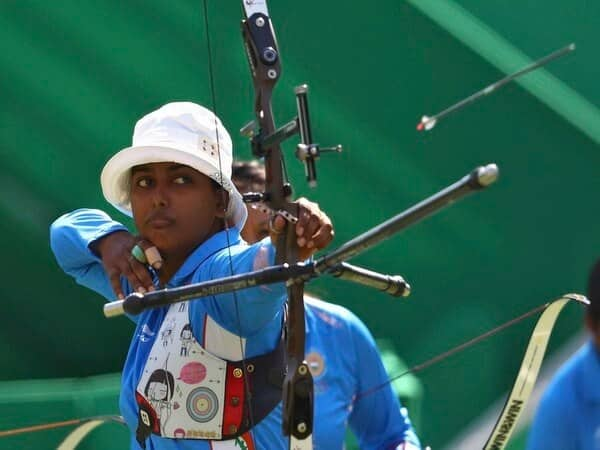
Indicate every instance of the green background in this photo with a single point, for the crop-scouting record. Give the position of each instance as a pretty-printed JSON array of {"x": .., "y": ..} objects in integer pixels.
[{"x": 75, "y": 76}]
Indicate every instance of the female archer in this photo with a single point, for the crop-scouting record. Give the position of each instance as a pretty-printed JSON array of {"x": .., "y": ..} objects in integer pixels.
[{"x": 175, "y": 181}]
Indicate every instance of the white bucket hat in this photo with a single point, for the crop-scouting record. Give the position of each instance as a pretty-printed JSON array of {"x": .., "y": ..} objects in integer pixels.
[{"x": 183, "y": 133}]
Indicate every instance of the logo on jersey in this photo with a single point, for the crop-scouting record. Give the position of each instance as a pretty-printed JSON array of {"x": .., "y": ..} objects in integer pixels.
[
  {"x": 243, "y": 442},
  {"x": 316, "y": 364}
]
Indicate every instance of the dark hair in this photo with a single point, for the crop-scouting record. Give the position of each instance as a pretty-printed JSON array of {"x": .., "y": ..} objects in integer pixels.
[
  {"x": 186, "y": 327},
  {"x": 162, "y": 376},
  {"x": 216, "y": 186},
  {"x": 593, "y": 294},
  {"x": 248, "y": 176}
]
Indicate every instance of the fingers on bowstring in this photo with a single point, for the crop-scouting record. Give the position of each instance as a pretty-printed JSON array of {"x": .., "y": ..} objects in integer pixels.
[
  {"x": 136, "y": 270},
  {"x": 151, "y": 255},
  {"x": 127, "y": 270},
  {"x": 138, "y": 275}
]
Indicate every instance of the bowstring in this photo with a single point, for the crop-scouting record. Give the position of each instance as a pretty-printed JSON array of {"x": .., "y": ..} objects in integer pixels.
[
  {"x": 231, "y": 271},
  {"x": 453, "y": 350}
]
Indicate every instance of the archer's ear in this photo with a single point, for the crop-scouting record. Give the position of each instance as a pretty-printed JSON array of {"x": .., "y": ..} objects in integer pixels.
[{"x": 221, "y": 201}]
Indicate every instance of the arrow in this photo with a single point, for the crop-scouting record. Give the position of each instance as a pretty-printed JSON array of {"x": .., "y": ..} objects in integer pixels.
[{"x": 427, "y": 123}]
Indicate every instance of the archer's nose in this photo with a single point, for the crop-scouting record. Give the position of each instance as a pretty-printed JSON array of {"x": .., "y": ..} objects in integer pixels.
[{"x": 160, "y": 197}]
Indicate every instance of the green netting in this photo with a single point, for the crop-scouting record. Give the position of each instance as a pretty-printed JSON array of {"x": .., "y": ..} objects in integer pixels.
[
  {"x": 28, "y": 403},
  {"x": 75, "y": 76}
]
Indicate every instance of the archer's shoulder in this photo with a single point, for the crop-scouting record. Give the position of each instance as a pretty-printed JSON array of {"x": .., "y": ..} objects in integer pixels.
[
  {"x": 321, "y": 306},
  {"x": 229, "y": 243},
  {"x": 82, "y": 215},
  {"x": 569, "y": 381},
  {"x": 82, "y": 225},
  {"x": 331, "y": 314}
]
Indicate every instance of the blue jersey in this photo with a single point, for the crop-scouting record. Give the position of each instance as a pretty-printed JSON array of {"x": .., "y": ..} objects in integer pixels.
[
  {"x": 568, "y": 416},
  {"x": 340, "y": 351}
]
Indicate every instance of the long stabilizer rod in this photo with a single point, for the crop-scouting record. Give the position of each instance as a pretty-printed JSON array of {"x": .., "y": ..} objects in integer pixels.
[{"x": 478, "y": 179}]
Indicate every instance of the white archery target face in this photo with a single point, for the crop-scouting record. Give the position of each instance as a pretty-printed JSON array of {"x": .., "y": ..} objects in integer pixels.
[{"x": 202, "y": 404}]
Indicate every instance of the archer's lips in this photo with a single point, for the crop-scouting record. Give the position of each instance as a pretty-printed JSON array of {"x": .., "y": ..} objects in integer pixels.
[{"x": 160, "y": 222}]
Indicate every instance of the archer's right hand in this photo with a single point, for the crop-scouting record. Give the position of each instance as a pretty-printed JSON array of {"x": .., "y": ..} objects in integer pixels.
[{"x": 115, "y": 251}]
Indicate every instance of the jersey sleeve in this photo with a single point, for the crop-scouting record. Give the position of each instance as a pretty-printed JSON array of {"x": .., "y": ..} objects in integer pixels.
[
  {"x": 551, "y": 429},
  {"x": 247, "y": 311},
  {"x": 377, "y": 419},
  {"x": 70, "y": 239}
]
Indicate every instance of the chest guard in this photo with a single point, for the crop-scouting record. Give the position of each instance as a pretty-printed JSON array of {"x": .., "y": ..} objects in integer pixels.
[{"x": 186, "y": 392}]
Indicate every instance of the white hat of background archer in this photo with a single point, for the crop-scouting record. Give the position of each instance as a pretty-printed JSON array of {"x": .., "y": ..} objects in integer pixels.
[{"x": 183, "y": 133}]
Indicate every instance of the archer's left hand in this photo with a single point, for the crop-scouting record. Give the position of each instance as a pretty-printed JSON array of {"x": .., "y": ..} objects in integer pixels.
[{"x": 314, "y": 230}]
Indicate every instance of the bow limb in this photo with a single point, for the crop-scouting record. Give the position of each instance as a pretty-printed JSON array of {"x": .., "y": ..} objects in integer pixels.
[
  {"x": 526, "y": 376},
  {"x": 528, "y": 372},
  {"x": 84, "y": 427}
]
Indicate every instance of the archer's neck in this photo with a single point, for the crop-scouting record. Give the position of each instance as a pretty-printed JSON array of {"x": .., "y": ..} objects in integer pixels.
[
  {"x": 175, "y": 257},
  {"x": 167, "y": 271}
]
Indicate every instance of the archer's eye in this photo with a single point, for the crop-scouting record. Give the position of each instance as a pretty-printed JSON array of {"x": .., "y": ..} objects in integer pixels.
[
  {"x": 143, "y": 182},
  {"x": 182, "y": 180}
]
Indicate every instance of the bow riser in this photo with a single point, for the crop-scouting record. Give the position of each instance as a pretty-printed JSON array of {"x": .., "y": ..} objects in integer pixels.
[{"x": 263, "y": 57}]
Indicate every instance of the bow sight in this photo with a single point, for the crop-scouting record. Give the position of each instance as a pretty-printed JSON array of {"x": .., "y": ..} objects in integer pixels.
[{"x": 306, "y": 151}]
